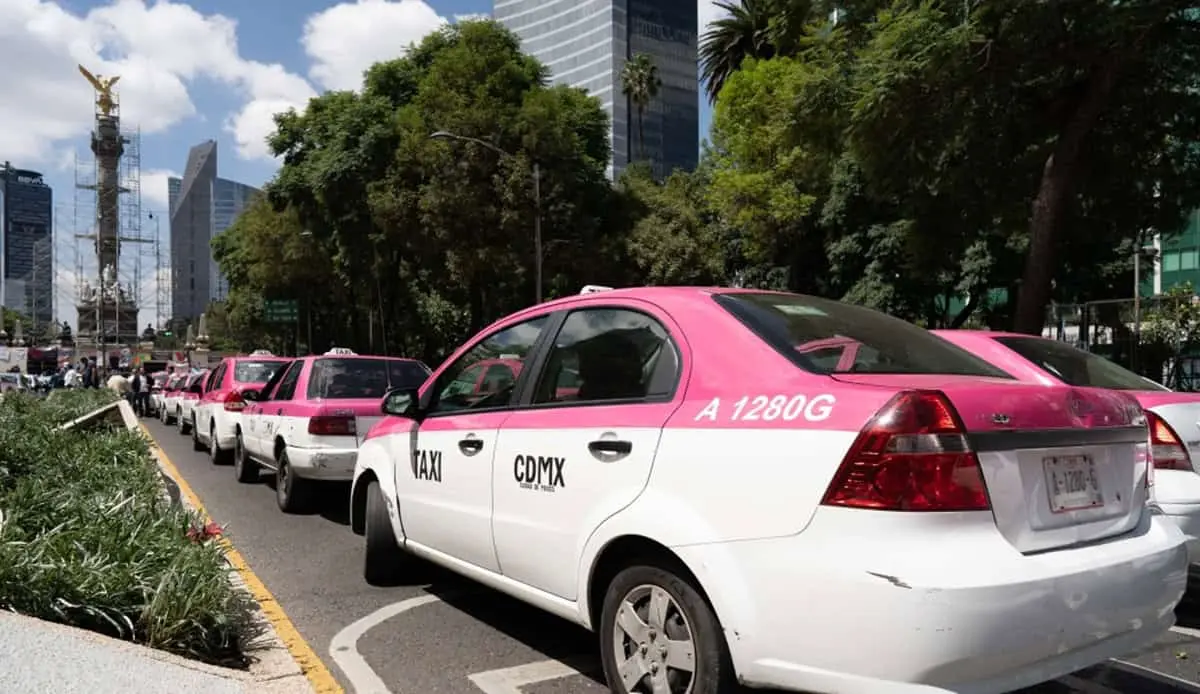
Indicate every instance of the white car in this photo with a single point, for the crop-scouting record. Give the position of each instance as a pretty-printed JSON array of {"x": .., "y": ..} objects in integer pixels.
[
  {"x": 305, "y": 423},
  {"x": 215, "y": 418},
  {"x": 186, "y": 398},
  {"x": 739, "y": 486},
  {"x": 168, "y": 399}
]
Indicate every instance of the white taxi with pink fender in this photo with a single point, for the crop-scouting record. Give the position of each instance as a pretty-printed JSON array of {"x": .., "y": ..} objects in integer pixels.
[{"x": 740, "y": 486}]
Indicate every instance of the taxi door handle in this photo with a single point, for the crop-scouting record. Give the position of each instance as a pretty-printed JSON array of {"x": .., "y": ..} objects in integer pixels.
[
  {"x": 279, "y": 411},
  {"x": 470, "y": 445},
  {"x": 610, "y": 449}
]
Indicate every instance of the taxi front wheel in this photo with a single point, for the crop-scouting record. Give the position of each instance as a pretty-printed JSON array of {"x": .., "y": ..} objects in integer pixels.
[
  {"x": 658, "y": 634},
  {"x": 383, "y": 560}
]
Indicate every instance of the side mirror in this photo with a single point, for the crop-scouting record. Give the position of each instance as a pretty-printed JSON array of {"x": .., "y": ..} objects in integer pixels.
[
  {"x": 401, "y": 402},
  {"x": 250, "y": 395},
  {"x": 197, "y": 389}
]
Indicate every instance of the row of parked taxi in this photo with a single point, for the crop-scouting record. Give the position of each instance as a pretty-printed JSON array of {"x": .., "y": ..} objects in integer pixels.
[{"x": 741, "y": 487}]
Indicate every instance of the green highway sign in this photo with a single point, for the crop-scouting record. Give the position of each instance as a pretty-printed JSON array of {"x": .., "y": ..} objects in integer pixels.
[{"x": 281, "y": 311}]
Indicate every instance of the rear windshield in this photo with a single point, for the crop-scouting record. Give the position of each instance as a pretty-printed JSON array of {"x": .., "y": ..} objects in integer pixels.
[
  {"x": 1076, "y": 367},
  {"x": 195, "y": 378},
  {"x": 829, "y": 337},
  {"x": 255, "y": 371},
  {"x": 349, "y": 379}
]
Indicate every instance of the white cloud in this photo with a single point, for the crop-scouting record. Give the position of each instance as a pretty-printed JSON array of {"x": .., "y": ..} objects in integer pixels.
[
  {"x": 708, "y": 12},
  {"x": 346, "y": 39},
  {"x": 154, "y": 191},
  {"x": 158, "y": 50}
]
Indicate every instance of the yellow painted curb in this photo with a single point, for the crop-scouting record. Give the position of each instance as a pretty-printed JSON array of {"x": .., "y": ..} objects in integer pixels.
[{"x": 310, "y": 663}]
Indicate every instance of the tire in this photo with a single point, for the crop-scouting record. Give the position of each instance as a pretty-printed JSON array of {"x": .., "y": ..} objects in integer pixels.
[
  {"x": 197, "y": 444},
  {"x": 180, "y": 422},
  {"x": 292, "y": 493},
  {"x": 688, "y": 617},
  {"x": 216, "y": 454},
  {"x": 244, "y": 468},
  {"x": 383, "y": 560}
]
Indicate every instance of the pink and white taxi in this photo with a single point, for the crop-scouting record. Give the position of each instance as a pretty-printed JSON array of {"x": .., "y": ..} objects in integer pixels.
[
  {"x": 168, "y": 403},
  {"x": 187, "y": 397},
  {"x": 1174, "y": 418},
  {"x": 216, "y": 415},
  {"x": 722, "y": 503},
  {"x": 306, "y": 422}
]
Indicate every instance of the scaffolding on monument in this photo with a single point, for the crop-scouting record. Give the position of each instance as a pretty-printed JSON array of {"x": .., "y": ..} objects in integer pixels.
[{"x": 107, "y": 224}]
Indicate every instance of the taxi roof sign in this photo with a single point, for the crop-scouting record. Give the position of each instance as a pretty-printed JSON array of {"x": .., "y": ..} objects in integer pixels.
[
  {"x": 343, "y": 351},
  {"x": 262, "y": 353},
  {"x": 594, "y": 288}
]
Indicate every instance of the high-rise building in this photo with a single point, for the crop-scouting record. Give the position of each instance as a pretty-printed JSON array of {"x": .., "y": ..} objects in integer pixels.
[
  {"x": 202, "y": 206},
  {"x": 586, "y": 43},
  {"x": 26, "y": 224}
]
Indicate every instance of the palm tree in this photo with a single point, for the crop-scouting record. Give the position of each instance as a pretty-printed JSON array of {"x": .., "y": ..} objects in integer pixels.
[
  {"x": 752, "y": 29},
  {"x": 744, "y": 32},
  {"x": 640, "y": 83}
]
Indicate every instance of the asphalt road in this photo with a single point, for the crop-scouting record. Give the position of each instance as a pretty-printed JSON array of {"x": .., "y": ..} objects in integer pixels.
[{"x": 464, "y": 639}]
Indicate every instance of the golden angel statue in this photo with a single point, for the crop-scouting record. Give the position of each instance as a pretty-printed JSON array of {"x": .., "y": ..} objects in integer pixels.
[{"x": 103, "y": 87}]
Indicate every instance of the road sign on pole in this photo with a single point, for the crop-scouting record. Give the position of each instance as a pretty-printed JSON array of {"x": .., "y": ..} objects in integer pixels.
[{"x": 281, "y": 311}]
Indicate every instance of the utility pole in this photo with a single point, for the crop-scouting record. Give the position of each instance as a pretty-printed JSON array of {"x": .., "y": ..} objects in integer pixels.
[{"x": 537, "y": 201}]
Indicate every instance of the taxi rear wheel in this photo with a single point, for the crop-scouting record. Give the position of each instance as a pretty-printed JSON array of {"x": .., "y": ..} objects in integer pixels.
[
  {"x": 244, "y": 469},
  {"x": 197, "y": 444},
  {"x": 216, "y": 454},
  {"x": 291, "y": 492},
  {"x": 180, "y": 421},
  {"x": 659, "y": 634},
  {"x": 383, "y": 560}
]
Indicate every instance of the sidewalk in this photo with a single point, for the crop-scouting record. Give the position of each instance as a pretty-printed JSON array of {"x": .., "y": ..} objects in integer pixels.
[{"x": 38, "y": 657}]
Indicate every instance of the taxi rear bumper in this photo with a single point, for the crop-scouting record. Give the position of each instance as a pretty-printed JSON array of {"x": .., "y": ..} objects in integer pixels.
[{"x": 324, "y": 464}]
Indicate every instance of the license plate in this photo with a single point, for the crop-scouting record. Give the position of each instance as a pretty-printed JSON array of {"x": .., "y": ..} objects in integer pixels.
[{"x": 1072, "y": 483}]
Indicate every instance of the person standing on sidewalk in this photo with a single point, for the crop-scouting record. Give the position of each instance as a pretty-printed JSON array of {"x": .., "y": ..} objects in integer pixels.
[
  {"x": 135, "y": 392},
  {"x": 143, "y": 392}
]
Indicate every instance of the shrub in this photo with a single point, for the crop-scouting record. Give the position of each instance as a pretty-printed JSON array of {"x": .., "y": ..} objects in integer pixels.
[{"x": 88, "y": 539}]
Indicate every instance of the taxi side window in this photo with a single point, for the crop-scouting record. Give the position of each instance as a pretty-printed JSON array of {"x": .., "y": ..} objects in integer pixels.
[
  {"x": 269, "y": 387},
  {"x": 287, "y": 386},
  {"x": 608, "y": 354},
  {"x": 456, "y": 387},
  {"x": 215, "y": 379}
]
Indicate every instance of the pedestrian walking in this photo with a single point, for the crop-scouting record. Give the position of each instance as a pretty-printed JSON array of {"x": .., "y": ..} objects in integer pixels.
[{"x": 142, "y": 392}]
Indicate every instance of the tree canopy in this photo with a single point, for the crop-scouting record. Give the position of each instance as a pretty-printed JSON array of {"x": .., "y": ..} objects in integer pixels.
[{"x": 952, "y": 163}]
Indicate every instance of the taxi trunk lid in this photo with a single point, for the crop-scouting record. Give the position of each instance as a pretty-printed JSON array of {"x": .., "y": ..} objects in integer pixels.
[
  {"x": 1062, "y": 465},
  {"x": 365, "y": 412}
]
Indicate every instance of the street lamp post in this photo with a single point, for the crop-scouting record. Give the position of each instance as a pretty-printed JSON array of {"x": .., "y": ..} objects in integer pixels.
[
  {"x": 1140, "y": 251},
  {"x": 537, "y": 200}
]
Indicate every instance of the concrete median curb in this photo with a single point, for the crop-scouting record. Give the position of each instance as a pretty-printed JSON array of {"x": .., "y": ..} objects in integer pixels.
[{"x": 274, "y": 669}]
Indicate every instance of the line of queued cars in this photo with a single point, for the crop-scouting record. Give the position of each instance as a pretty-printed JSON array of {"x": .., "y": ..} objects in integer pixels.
[{"x": 735, "y": 486}]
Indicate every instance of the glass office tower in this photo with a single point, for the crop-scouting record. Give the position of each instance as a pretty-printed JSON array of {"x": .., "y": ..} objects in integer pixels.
[
  {"x": 202, "y": 206},
  {"x": 585, "y": 43}
]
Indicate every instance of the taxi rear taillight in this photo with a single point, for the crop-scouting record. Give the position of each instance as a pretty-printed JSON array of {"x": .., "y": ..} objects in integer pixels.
[
  {"x": 912, "y": 456},
  {"x": 1166, "y": 449},
  {"x": 234, "y": 402},
  {"x": 332, "y": 425}
]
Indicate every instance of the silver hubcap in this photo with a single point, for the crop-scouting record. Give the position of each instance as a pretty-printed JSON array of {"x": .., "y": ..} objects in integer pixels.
[{"x": 653, "y": 643}]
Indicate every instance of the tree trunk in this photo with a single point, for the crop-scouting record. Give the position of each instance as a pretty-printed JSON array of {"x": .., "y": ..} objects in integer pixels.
[
  {"x": 973, "y": 301},
  {"x": 641, "y": 117},
  {"x": 1052, "y": 203}
]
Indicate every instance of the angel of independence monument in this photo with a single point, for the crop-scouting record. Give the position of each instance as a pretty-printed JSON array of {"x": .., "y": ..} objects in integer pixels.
[{"x": 107, "y": 308}]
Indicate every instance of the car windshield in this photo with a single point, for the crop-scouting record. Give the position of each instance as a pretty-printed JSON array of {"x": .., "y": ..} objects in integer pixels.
[
  {"x": 195, "y": 378},
  {"x": 245, "y": 371},
  {"x": 363, "y": 378},
  {"x": 829, "y": 337},
  {"x": 1076, "y": 367}
]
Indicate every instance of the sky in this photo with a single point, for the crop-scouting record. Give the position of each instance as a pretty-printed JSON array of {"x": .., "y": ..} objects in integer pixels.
[{"x": 191, "y": 70}]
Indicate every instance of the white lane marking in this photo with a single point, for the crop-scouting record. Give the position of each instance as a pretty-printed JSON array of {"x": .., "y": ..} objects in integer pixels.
[
  {"x": 510, "y": 680},
  {"x": 1149, "y": 673},
  {"x": 1086, "y": 687},
  {"x": 1186, "y": 631},
  {"x": 344, "y": 646}
]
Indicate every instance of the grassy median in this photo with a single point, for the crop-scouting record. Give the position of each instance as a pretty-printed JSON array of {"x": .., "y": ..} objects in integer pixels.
[{"x": 88, "y": 539}]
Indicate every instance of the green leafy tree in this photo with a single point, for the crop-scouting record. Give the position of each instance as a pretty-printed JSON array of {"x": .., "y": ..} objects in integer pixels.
[
  {"x": 1172, "y": 330},
  {"x": 640, "y": 84}
]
